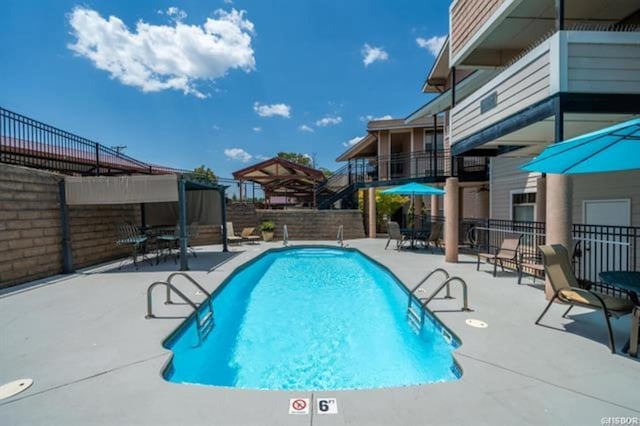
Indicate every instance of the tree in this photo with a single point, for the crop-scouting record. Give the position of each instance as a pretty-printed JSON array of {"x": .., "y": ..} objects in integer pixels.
[
  {"x": 326, "y": 172},
  {"x": 387, "y": 204},
  {"x": 302, "y": 159},
  {"x": 204, "y": 174}
]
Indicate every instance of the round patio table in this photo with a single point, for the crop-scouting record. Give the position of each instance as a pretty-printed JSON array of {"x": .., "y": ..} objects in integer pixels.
[{"x": 628, "y": 281}]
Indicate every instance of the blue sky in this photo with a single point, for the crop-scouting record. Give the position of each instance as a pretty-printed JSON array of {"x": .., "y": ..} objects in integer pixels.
[{"x": 222, "y": 83}]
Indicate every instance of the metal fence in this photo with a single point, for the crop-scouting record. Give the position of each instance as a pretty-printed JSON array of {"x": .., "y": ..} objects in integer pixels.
[
  {"x": 596, "y": 248},
  {"x": 31, "y": 143}
]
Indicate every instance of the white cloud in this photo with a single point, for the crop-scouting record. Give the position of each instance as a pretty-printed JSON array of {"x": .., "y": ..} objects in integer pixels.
[
  {"x": 177, "y": 14},
  {"x": 228, "y": 1},
  {"x": 352, "y": 142},
  {"x": 162, "y": 57},
  {"x": 372, "y": 54},
  {"x": 238, "y": 154},
  {"x": 257, "y": 129},
  {"x": 262, "y": 157},
  {"x": 263, "y": 110},
  {"x": 306, "y": 128},
  {"x": 329, "y": 121},
  {"x": 372, "y": 118},
  {"x": 433, "y": 44}
]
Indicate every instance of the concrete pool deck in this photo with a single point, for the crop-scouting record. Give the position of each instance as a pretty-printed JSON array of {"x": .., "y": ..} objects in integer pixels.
[{"x": 96, "y": 360}]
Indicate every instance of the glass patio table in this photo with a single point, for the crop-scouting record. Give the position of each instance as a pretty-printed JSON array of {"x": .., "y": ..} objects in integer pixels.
[{"x": 629, "y": 282}]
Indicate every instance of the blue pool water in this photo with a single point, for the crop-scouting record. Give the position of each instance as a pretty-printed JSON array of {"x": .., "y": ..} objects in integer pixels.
[{"x": 312, "y": 319}]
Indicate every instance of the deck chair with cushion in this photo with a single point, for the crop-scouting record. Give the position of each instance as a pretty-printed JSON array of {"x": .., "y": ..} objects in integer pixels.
[
  {"x": 232, "y": 238},
  {"x": 434, "y": 235},
  {"x": 557, "y": 266},
  {"x": 507, "y": 252},
  {"x": 394, "y": 234},
  {"x": 246, "y": 235}
]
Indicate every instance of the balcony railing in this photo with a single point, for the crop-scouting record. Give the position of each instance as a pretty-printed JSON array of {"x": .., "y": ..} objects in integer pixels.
[
  {"x": 429, "y": 165},
  {"x": 31, "y": 143}
]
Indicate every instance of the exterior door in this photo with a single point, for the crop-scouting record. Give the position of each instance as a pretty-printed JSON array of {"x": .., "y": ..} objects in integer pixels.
[{"x": 606, "y": 242}]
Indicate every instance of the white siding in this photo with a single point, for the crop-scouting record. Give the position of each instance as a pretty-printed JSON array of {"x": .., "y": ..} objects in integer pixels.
[
  {"x": 603, "y": 67},
  {"x": 520, "y": 86},
  {"x": 613, "y": 186},
  {"x": 506, "y": 176}
]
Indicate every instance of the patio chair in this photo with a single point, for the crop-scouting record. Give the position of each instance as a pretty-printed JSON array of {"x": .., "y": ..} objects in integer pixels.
[
  {"x": 231, "y": 235},
  {"x": 434, "y": 235},
  {"x": 168, "y": 240},
  {"x": 394, "y": 234},
  {"x": 128, "y": 235},
  {"x": 246, "y": 235},
  {"x": 557, "y": 266},
  {"x": 507, "y": 252}
]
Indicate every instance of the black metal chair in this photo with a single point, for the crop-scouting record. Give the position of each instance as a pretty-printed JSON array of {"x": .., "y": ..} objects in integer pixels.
[{"x": 128, "y": 235}]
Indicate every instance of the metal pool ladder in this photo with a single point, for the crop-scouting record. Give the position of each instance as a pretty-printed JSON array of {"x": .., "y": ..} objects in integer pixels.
[
  {"x": 204, "y": 319},
  {"x": 285, "y": 236},
  {"x": 415, "y": 317},
  {"x": 340, "y": 236}
]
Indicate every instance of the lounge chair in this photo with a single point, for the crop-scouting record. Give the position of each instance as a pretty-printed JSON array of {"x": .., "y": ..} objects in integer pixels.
[
  {"x": 434, "y": 235},
  {"x": 508, "y": 252},
  {"x": 557, "y": 266},
  {"x": 231, "y": 236},
  {"x": 246, "y": 235},
  {"x": 394, "y": 234}
]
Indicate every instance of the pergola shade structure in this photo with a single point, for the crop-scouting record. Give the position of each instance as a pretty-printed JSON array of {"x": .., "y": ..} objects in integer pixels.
[
  {"x": 204, "y": 201},
  {"x": 279, "y": 177}
]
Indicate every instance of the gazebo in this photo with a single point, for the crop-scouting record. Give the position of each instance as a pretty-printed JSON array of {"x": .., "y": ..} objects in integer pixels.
[{"x": 280, "y": 177}]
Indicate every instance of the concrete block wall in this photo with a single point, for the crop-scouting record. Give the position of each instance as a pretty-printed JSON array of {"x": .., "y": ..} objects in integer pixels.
[
  {"x": 242, "y": 215},
  {"x": 315, "y": 224},
  {"x": 94, "y": 233},
  {"x": 30, "y": 231}
]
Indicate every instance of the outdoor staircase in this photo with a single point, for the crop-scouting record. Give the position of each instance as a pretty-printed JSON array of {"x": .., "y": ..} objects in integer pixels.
[{"x": 340, "y": 186}]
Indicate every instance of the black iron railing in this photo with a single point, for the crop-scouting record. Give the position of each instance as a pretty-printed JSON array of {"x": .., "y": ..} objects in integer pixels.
[
  {"x": 596, "y": 248},
  {"x": 31, "y": 143}
]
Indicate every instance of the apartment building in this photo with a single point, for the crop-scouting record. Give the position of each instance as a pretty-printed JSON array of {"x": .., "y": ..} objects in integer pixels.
[{"x": 517, "y": 75}]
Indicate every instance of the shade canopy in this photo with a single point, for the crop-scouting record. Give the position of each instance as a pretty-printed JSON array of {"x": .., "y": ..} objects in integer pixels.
[
  {"x": 414, "y": 188},
  {"x": 615, "y": 148}
]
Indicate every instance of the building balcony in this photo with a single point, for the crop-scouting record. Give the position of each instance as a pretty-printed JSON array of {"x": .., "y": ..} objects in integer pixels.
[
  {"x": 490, "y": 33},
  {"x": 578, "y": 62}
]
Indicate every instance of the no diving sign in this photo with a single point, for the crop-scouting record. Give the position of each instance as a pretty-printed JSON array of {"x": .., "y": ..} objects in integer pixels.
[
  {"x": 323, "y": 406},
  {"x": 299, "y": 406}
]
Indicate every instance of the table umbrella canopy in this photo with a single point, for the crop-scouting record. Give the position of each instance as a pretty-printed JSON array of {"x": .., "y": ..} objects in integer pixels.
[
  {"x": 615, "y": 148},
  {"x": 414, "y": 188}
]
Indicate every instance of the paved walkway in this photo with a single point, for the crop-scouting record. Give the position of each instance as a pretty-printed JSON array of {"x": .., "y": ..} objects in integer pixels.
[{"x": 95, "y": 360}]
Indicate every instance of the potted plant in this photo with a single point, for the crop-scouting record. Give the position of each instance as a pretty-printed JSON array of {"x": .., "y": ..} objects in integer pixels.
[{"x": 267, "y": 227}]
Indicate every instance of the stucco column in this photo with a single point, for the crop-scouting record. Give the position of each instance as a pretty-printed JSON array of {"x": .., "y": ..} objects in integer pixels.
[
  {"x": 435, "y": 206},
  {"x": 483, "y": 203},
  {"x": 541, "y": 199},
  {"x": 558, "y": 215},
  {"x": 451, "y": 219},
  {"x": 371, "y": 199}
]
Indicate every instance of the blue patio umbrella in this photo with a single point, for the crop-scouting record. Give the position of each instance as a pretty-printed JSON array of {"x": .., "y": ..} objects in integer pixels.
[
  {"x": 413, "y": 189},
  {"x": 615, "y": 148}
]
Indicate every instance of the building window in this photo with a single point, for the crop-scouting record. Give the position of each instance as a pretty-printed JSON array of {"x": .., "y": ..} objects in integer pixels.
[
  {"x": 523, "y": 207},
  {"x": 428, "y": 141}
]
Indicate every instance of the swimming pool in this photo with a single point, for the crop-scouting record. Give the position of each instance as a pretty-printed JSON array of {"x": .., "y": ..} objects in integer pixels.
[{"x": 312, "y": 318}]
